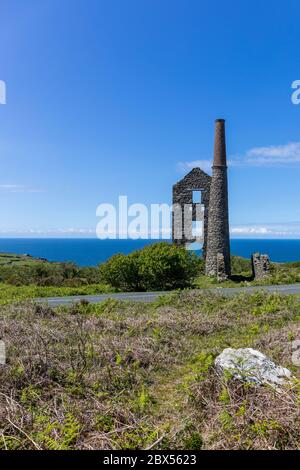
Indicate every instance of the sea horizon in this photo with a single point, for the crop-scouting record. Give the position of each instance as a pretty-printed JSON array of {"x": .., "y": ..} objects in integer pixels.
[{"x": 92, "y": 251}]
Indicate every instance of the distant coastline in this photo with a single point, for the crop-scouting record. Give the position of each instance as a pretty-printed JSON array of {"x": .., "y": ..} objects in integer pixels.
[{"x": 90, "y": 251}]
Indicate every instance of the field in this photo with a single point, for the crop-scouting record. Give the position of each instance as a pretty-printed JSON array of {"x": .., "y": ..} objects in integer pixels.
[
  {"x": 23, "y": 277},
  {"x": 11, "y": 258},
  {"x": 119, "y": 375}
]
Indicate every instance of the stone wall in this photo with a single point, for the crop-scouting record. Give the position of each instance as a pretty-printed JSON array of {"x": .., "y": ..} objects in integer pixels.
[
  {"x": 213, "y": 210},
  {"x": 260, "y": 266},
  {"x": 196, "y": 180}
]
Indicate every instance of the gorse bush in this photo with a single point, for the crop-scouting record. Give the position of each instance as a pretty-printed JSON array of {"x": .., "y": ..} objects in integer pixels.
[
  {"x": 121, "y": 272},
  {"x": 165, "y": 266},
  {"x": 160, "y": 266}
]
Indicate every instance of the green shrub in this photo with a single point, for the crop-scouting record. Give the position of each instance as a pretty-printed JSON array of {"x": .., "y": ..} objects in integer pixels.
[
  {"x": 121, "y": 272},
  {"x": 160, "y": 266},
  {"x": 240, "y": 265},
  {"x": 194, "y": 442},
  {"x": 44, "y": 273}
]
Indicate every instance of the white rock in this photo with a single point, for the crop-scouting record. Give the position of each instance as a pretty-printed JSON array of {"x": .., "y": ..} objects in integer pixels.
[{"x": 252, "y": 366}]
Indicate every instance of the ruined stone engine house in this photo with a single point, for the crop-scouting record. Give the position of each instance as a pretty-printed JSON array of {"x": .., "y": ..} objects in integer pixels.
[{"x": 200, "y": 210}]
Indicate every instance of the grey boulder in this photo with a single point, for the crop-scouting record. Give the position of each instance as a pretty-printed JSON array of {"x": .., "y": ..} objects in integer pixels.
[{"x": 251, "y": 366}]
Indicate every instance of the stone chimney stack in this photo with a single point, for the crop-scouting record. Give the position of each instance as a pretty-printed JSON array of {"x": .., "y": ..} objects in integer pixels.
[{"x": 218, "y": 247}]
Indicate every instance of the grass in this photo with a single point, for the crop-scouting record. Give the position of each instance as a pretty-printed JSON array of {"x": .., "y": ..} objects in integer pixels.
[
  {"x": 22, "y": 278},
  {"x": 21, "y": 270},
  {"x": 18, "y": 260},
  {"x": 121, "y": 375},
  {"x": 281, "y": 273},
  {"x": 11, "y": 294},
  {"x": 285, "y": 273}
]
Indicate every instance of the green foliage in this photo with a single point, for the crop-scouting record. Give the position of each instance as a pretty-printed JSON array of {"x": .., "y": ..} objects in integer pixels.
[
  {"x": 241, "y": 265},
  {"x": 263, "y": 427},
  {"x": 193, "y": 442},
  {"x": 118, "y": 359},
  {"x": 224, "y": 396},
  {"x": 271, "y": 305},
  {"x": 23, "y": 277},
  {"x": 242, "y": 409},
  {"x": 103, "y": 423},
  {"x": 9, "y": 294},
  {"x": 24, "y": 270},
  {"x": 58, "y": 436},
  {"x": 137, "y": 438},
  {"x": 203, "y": 363},
  {"x": 226, "y": 421},
  {"x": 30, "y": 396},
  {"x": 285, "y": 273},
  {"x": 143, "y": 400},
  {"x": 121, "y": 272},
  {"x": 161, "y": 266}
]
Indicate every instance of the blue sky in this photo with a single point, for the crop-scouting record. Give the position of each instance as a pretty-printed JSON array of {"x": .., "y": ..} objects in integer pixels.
[{"x": 114, "y": 97}]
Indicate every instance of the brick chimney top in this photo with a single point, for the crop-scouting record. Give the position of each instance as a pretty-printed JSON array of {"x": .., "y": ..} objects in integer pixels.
[{"x": 220, "y": 145}]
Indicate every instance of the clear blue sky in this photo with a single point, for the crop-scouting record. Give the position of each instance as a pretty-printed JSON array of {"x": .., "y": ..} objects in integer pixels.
[{"x": 109, "y": 97}]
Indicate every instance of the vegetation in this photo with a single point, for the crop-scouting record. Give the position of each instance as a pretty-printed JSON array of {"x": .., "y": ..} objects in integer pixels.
[
  {"x": 20, "y": 270},
  {"x": 281, "y": 273},
  {"x": 11, "y": 294},
  {"x": 23, "y": 277},
  {"x": 161, "y": 266},
  {"x": 120, "y": 375}
]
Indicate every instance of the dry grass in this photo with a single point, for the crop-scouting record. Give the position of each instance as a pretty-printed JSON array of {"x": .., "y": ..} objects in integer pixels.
[
  {"x": 125, "y": 376},
  {"x": 236, "y": 416}
]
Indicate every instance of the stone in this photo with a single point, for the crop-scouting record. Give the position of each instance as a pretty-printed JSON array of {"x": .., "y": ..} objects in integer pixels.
[
  {"x": 261, "y": 266},
  {"x": 211, "y": 212},
  {"x": 2, "y": 353},
  {"x": 186, "y": 211},
  {"x": 218, "y": 218},
  {"x": 252, "y": 366},
  {"x": 221, "y": 268}
]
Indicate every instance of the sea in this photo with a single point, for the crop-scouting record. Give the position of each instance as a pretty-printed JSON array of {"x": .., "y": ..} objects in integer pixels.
[{"x": 91, "y": 252}]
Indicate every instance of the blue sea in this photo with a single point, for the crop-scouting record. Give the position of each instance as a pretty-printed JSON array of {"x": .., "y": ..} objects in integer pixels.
[{"x": 90, "y": 252}]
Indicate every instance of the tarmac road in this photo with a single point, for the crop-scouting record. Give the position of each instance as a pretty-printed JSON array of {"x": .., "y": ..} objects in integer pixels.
[{"x": 290, "y": 289}]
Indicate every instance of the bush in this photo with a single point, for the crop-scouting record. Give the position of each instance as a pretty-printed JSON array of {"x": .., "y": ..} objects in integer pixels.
[
  {"x": 241, "y": 265},
  {"x": 43, "y": 273},
  {"x": 121, "y": 272},
  {"x": 160, "y": 266}
]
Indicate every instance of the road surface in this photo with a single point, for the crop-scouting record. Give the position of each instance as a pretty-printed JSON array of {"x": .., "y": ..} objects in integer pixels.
[{"x": 290, "y": 289}]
